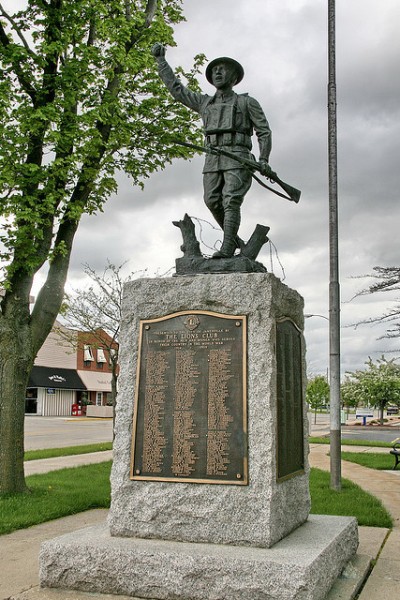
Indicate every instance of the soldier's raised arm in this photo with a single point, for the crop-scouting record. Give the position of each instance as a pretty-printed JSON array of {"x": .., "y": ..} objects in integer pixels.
[{"x": 180, "y": 92}]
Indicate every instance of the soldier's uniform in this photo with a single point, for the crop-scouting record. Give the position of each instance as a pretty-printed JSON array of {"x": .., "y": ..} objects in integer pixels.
[{"x": 229, "y": 121}]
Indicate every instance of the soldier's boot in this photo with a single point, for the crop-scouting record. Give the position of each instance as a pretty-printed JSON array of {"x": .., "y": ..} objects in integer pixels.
[{"x": 231, "y": 240}]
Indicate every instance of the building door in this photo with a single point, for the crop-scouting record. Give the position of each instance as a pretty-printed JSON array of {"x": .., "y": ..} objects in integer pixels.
[{"x": 31, "y": 401}]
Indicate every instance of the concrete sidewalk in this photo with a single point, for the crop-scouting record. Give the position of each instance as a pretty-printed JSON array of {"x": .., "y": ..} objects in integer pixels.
[
  {"x": 384, "y": 579},
  {"x": 19, "y": 550},
  {"x": 44, "y": 465}
]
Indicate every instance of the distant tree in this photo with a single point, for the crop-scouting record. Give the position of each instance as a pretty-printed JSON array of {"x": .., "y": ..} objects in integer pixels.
[
  {"x": 96, "y": 309},
  {"x": 352, "y": 395},
  {"x": 317, "y": 393},
  {"x": 387, "y": 280},
  {"x": 80, "y": 100},
  {"x": 376, "y": 386}
]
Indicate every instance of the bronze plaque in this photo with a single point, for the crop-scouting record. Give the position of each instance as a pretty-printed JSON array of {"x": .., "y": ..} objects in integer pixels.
[
  {"x": 190, "y": 420},
  {"x": 290, "y": 447}
]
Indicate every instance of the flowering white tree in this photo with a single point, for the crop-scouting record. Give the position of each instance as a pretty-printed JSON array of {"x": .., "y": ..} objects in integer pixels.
[{"x": 377, "y": 386}]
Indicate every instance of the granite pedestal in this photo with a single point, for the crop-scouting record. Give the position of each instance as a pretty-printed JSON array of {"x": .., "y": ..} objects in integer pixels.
[{"x": 186, "y": 541}]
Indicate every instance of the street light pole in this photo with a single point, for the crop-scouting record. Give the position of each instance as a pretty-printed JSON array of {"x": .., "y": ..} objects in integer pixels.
[{"x": 334, "y": 288}]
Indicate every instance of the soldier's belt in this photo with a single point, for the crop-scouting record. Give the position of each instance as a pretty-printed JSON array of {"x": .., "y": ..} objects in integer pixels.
[{"x": 228, "y": 139}]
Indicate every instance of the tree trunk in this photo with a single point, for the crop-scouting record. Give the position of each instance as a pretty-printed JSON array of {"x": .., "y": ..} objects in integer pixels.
[
  {"x": 114, "y": 379},
  {"x": 190, "y": 246},
  {"x": 256, "y": 241},
  {"x": 21, "y": 336},
  {"x": 16, "y": 362}
]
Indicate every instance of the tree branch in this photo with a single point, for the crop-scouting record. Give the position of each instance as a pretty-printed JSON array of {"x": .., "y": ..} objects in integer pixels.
[
  {"x": 128, "y": 12},
  {"x": 50, "y": 297},
  {"x": 92, "y": 33},
  {"x": 150, "y": 11},
  {"x": 18, "y": 32},
  {"x": 23, "y": 79}
]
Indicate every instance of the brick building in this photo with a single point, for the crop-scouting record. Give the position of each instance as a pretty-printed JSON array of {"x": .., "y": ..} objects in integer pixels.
[{"x": 72, "y": 367}]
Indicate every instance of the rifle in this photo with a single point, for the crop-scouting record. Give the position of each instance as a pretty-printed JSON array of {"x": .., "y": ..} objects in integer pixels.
[{"x": 292, "y": 193}]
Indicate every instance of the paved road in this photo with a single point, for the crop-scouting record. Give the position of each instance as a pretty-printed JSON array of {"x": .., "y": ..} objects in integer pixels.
[
  {"x": 366, "y": 433},
  {"x": 57, "y": 432},
  {"x": 60, "y": 432},
  {"x": 357, "y": 433}
]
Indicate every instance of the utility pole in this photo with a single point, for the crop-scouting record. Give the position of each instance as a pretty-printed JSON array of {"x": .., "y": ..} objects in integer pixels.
[{"x": 334, "y": 289}]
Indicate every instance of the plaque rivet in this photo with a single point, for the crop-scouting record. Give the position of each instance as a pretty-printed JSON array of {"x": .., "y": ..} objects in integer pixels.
[
  {"x": 137, "y": 472},
  {"x": 147, "y": 327},
  {"x": 238, "y": 323},
  {"x": 238, "y": 476}
]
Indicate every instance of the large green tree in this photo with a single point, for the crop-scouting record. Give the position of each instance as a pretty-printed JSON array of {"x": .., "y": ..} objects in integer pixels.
[
  {"x": 80, "y": 100},
  {"x": 377, "y": 385}
]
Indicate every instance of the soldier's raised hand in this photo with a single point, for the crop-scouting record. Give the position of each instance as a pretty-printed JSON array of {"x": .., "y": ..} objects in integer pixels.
[{"x": 158, "y": 50}]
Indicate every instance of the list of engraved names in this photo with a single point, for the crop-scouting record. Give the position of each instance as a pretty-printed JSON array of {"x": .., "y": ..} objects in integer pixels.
[{"x": 190, "y": 408}]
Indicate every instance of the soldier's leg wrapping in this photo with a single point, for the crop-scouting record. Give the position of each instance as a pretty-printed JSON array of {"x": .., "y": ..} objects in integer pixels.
[
  {"x": 237, "y": 182},
  {"x": 213, "y": 184}
]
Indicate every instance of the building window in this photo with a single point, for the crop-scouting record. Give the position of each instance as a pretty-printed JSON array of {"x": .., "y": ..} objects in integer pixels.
[
  {"x": 101, "y": 359},
  {"x": 87, "y": 355},
  {"x": 99, "y": 397}
]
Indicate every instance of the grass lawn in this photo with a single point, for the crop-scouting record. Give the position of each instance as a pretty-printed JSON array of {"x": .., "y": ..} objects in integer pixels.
[
  {"x": 380, "y": 461},
  {"x": 56, "y": 494},
  {"x": 69, "y": 451},
  {"x": 73, "y": 490},
  {"x": 370, "y": 444},
  {"x": 351, "y": 501}
]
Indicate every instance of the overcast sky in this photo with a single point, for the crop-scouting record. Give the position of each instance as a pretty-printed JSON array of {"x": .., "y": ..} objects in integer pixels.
[{"x": 283, "y": 49}]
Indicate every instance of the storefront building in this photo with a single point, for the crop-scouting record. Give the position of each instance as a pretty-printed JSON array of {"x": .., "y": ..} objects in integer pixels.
[
  {"x": 72, "y": 368},
  {"x": 52, "y": 391}
]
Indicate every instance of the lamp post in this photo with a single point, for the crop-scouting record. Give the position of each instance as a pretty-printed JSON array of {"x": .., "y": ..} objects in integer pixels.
[
  {"x": 333, "y": 395},
  {"x": 334, "y": 289},
  {"x": 308, "y": 316}
]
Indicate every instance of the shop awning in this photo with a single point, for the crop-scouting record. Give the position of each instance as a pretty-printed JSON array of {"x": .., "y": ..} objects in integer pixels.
[
  {"x": 96, "y": 381},
  {"x": 48, "y": 377}
]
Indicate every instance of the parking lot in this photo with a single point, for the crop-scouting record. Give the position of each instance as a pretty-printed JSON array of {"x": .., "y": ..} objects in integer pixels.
[{"x": 60, "y": 432}]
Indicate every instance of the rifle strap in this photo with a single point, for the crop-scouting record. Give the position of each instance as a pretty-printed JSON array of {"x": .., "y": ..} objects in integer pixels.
[{"x": 267, "y": 187}]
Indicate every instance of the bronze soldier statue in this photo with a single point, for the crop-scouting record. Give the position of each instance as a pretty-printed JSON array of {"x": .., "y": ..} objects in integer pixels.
[{"x": 229, "y": 121}]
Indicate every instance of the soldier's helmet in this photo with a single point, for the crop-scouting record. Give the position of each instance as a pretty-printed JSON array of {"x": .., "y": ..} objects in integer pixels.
[{"x": 229, "y": 61}]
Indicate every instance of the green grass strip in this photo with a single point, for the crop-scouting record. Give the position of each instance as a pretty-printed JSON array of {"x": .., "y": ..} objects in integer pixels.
[
  {"x": 72, "y": 450},
  {"x": 69, "y": 451},
  {"x": 56, "y": 494},
  {"x": 73, "y": 490},
  {"x": 379, "y": 461},
  {"x": 370, "y": 444},
  {"x": 351, "y": 501}
]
